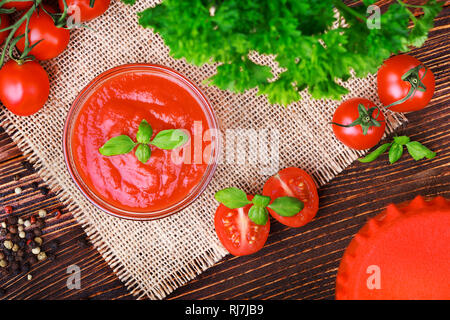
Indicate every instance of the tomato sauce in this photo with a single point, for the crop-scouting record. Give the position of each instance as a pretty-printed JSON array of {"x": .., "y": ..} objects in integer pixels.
[{"x": 116, "y": 108}]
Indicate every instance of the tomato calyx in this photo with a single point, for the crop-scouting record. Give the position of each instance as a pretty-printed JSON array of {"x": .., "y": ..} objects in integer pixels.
[
  {"x": 365, "y": 119},
  {"x": 413, "y": 78},
  {"x": 234, "y": 198}
]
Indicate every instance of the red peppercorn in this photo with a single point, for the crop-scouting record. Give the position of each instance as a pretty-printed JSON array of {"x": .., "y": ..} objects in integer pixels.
[
  {"x": 8, "y": 209},
  {"x": 57, "y": 214},
  {"x": 33, "y": 219}
]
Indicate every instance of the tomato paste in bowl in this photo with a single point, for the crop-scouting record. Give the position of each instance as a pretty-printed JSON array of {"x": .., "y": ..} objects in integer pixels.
[{"x": 114, "y": 104}]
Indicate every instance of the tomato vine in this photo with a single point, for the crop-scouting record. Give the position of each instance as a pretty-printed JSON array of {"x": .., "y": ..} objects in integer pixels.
[{"x": 59, "y": 19}]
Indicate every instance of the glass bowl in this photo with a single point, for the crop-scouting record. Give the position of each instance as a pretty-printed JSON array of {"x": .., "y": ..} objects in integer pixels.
[{"x": 79, "y": 103}]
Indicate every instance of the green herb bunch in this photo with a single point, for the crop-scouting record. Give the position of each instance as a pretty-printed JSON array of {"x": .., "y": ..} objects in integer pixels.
[
  {"x": 234, "y": 198},
  {"x": 417, "y": 150},
  {"x": 298, "y": 34},
  {"x": 166, "y": 139}
]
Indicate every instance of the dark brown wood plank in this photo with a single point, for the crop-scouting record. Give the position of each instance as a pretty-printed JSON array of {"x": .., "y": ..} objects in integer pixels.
[
  {"x": 296, "y": 263},
  {"x": 49, "y": 278}
]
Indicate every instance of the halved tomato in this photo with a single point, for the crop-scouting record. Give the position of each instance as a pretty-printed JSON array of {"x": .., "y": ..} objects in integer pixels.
[
  {"x": 294, "y": 182},
  {"x": 238, "y": 234}
]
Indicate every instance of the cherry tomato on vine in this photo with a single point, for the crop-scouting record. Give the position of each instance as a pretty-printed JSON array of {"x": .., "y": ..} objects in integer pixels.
[
  {"x": 41, "y": 27},
  {"x": 82, "y": 8},
  {"x": 358, "y": 124},
  {"x": 406, "y": 80},
  {"x": 4, "y": 22},
  {"x": 24, "y": 88},
  {"x": 238, "y": 234},
  {"x": 294, "y": 182},
  {"x": 19, "y": 5}
]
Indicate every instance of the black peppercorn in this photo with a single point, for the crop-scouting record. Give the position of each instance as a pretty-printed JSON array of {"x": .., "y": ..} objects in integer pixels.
[
  {"x": 32, "y": 259},
  {"x": 14, "y": 265},
  {"x": 25, "y": 267},
  {"x": 12, "y": 229},
  {"x": 29, "y": 235},
  {"x": 12, "y": 220},
  {"x": 35, "y": 185},
  {"x": 44, "y": 190},
  {"x": 3, "y": 232},
  {"x": 22, "y": 243}
]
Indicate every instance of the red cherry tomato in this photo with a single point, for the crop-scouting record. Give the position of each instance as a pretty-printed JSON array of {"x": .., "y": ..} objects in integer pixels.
[
  {"x": 238, "y": 234},
  {"x": 4, "y": 22},
  {"x": 353, "y": 137},
  {"x": 82, "y": 8},
  {"x": 24, "y": 88},
  {"x": 19, "y": 5},
  {"x": 294, "y": 182},
  {"x": 41, "y": 26},
  {"x": 392, "y": 88}
]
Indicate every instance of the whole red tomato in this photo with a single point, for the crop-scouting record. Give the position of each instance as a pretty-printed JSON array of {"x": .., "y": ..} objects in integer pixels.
[
  {"x": 24, "y": 88},
  {"x": 392, "y": 88},
  {"x": 4, "y": 22},
  {"x": 294, "y": 182},
  {"x": 41, "y": 27},
  {"x": 81, "y": 9},
  {"x": 363, "y": 135},
  {"x": 19, "y": 5},
  {"x": 238, "y": 234}
]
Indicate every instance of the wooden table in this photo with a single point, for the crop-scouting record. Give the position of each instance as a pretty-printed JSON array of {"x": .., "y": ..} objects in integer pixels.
[{"x": 295, "y": 263}]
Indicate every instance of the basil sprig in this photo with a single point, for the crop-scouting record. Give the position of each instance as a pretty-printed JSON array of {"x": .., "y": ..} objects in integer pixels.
[
  {"x": 417, "y": 150},
  {"x": 166, "y": 139},
  {"x": 234, "y": 198}
]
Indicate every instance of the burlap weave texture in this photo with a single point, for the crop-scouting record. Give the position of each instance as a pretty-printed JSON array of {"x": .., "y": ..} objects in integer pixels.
[{"x": 154, "y": 258}]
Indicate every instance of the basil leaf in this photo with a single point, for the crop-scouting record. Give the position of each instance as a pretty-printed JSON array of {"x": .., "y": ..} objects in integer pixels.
[
  {"x": 419, "y": 151},
  {"x": 170, "y": 139},
  {"x": 232, "y": 198},
  {"x": 261, "y": 201},
  {"x": 258, "y": 215},
  {"x": 402, "y": 140},
  {"x": 117, "y": 145},
  {"x": 376, "y": 153},
  {"x": 144, "y": 133},
  {"x": 287, "y": 206},
  {"x": 395, "y": 153},
  {"x": 143, "y": 153}
]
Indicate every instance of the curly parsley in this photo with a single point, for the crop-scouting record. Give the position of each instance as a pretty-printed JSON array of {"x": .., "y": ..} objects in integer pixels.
[{"x": 299, "y": 34}]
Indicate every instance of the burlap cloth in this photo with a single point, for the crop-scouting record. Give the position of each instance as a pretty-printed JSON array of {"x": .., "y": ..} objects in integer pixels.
[{"x": 154, "y": 258}]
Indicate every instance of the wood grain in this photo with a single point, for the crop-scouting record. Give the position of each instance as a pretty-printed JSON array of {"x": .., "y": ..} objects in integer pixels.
[{"x": 295, "y": 263}]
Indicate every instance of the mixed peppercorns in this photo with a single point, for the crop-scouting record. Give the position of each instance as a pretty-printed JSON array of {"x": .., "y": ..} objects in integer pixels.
[
  {"x": 22, "y": 243},
  {"x": 21, "y": 238}
]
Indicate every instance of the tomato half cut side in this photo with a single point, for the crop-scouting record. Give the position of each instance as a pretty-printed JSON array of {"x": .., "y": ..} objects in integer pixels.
[
  {"x": 294, "y": 182},
  {"x": 238, "y": 234}
]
